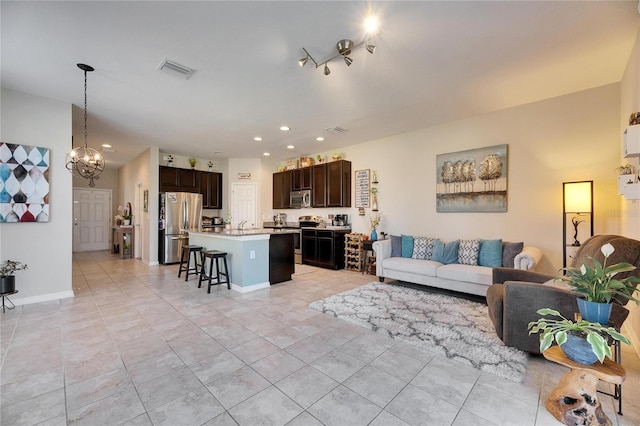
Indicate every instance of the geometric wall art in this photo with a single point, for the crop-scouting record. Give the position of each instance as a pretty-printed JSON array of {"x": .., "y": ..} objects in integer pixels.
[
  {"x": 24, "y": 183},
  {"x": 472, "y": 181}
]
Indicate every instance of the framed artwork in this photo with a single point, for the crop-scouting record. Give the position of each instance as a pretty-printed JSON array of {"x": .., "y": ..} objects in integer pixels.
[
  {"x": 363, "y": 187},
  {"x": 24, "y": 183},
  {"x": 473, "y": 180},
  {"x": 145, "y": 200}
]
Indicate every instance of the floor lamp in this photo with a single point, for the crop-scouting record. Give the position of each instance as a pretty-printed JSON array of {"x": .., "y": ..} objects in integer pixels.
[{"x": 577, "y": 208}]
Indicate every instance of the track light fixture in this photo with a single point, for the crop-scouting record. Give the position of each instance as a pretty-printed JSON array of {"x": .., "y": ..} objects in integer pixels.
[{"x": 344, "y": 48}]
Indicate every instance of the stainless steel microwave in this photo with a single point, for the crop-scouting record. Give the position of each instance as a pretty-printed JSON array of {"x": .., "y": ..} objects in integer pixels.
[{"x": 299, "y": 199}]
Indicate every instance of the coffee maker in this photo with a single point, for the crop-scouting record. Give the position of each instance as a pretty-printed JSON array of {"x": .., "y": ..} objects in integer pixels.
[{"x": 340, "y": 220}]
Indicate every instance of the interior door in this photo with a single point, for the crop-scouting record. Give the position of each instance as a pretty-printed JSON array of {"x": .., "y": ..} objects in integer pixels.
[
  {"x": 91, "y": 219},
  {"x": 244, "y": 204}
]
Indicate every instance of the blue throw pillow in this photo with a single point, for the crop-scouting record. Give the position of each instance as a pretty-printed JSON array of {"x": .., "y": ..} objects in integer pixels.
[
  {"x": 490, "y": 253},
  {"x": 445, "y": 253},
  {"x": 407, "y": 245},
  {"x": 396, "y": 246}
]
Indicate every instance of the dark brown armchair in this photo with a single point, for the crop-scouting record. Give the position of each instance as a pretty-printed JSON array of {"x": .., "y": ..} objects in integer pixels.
[{"x": 516, "y": 294}]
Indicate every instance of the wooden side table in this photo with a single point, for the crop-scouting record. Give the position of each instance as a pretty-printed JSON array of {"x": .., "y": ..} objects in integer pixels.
[
  {"x": 123, "y": 239},
  {"x": 369, "y": 261},
  {"x": 608, "y": 371}
]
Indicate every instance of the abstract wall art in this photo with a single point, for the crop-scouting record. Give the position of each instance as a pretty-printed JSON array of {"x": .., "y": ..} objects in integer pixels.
[
  {"x": 24, "y": 183},
  {"x": 472, "y": 181}
]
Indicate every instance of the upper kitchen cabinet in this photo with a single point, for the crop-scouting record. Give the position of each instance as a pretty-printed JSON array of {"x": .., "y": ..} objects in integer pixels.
[
  {"x": 209, "y": 184},
  {"x": 330, "y": 184},
  {"x": 301, "y": 179},
  {"x": 339, "y": 184},
  {"x": 211, "y": 190},
  {"x": 189, "y": 181},
  {"x": 281, "y": 189},
  {"x": 169, "y": 179},
  {"x": 319, "y": 185},
  {"x": 178, "y": 180}
]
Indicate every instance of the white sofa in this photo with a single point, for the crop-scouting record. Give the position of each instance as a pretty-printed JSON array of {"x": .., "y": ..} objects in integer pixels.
[{"x": 472, "y": 279}]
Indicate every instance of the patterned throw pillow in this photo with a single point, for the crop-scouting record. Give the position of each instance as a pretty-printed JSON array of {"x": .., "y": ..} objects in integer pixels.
[
  {"x": 468, "y": 252},
  {"x": 422, "y": 248}
]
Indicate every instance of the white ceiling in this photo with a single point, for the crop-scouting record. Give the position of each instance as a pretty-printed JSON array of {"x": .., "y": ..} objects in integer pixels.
[{"x": 435, "y": 62}]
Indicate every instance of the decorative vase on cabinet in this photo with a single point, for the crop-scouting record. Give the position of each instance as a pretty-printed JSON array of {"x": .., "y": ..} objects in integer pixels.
[{"x": 374, "y": 235}]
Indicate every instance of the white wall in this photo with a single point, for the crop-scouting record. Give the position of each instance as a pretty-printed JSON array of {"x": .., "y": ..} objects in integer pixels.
[
  {"x": 630, "y": 210},
  {"x": 45, "y": 247},
  {"x": 135, "y": 177},
  {"x": 573, "y": 137}
]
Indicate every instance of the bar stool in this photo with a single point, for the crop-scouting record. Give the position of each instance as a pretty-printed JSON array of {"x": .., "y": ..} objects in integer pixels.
[
  {"x": 214, "y": 255},
  {"x": 189, "y": 250}
]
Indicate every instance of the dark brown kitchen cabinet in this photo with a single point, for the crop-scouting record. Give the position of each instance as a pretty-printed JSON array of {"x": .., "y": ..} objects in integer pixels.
[
  {"x": 175, "y": 179},
  {"x": 318, "y": 185},
  {"x": 281, "y": 189},
  {"x": 330, "y": 185},
  {"x": 188, "y": 180},
  {"x": 301, "y": 179},
  {"x": 209, "y": 184},
  {"x": 211, "y": 190},
  {"x": 338, "y": 192},
  {"x": 323, "y": 248},
  {"x": 169, "y": 179}
]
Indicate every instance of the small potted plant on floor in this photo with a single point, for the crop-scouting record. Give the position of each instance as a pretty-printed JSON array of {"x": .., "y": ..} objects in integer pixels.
[
  {"x": 598, "y": 283},
  {"x": 582, "y": 341},
  {"x": 7, "y": 279}
]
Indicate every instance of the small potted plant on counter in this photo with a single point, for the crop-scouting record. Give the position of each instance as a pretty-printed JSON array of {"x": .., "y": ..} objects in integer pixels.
[{"x": 7, "y": 279}]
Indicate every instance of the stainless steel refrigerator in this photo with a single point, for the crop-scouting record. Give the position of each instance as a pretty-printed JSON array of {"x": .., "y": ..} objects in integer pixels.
[{"x": 179, "y": 212}]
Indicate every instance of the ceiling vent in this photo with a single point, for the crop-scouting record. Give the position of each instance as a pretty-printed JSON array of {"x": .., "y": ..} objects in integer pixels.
[
  {"x": 176, "y": 69},
  {"x": 337, "y": 129}
]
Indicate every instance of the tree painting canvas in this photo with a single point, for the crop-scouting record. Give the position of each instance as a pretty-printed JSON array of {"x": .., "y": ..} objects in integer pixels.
[
  {"x": 472, "y": 181},
  {"x": 24, "y": 183}
]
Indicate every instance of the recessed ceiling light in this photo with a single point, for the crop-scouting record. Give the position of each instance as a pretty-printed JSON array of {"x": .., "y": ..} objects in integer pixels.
[
  {"x": 285, "y": 128},
  {"x": 106, "y": 145},
  {"x": 371, "y": 25},
  {"x": 290, "y": 146},
  {"x": 266, "y": 154},
  {"x": 319, "y": 138},
  {"x": 257, "y": 139}
]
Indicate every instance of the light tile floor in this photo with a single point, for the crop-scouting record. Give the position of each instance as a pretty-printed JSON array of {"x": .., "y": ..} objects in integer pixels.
[{"x": 139, "y": 346}]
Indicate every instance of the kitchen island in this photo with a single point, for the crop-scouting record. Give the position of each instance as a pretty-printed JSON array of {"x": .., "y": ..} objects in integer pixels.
[{"x": 257, "y": 258}]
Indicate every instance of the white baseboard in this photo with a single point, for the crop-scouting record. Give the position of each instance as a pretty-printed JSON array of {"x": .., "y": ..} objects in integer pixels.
[
  {"x": 42, "y": 298},
  {"x": 247, "y": 289},
  {"x": 153, "y": 263}
]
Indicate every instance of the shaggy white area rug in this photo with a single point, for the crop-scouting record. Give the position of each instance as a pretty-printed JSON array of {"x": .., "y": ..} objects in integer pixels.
[{"x": 456, "y": 328}]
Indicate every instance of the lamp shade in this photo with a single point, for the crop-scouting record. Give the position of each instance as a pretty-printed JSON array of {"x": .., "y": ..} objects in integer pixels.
[{"x": 578, "y": 197}]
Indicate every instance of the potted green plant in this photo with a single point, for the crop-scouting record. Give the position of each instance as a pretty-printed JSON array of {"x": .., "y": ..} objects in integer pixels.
[
  {"x": 7, "y": 279},
  {"x": 597, "y": 284},
  {"x": 582, "y": 341},
  {"x": 193, "y": 162},
  {"x": 625, "y": 169}
]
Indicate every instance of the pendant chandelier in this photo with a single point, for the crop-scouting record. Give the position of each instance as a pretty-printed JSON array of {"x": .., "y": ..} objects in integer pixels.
[{"x": 83, "y": 161}]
